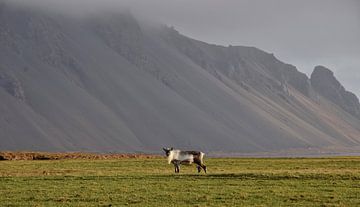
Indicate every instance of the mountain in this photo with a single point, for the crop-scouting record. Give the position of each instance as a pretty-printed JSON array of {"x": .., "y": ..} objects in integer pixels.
[
  {"x": 325, "y": 83},
  {"x": 108, "y": 82}
]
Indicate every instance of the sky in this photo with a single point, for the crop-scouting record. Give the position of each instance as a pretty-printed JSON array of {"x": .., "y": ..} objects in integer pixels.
[{"x": 304, "y": 33}]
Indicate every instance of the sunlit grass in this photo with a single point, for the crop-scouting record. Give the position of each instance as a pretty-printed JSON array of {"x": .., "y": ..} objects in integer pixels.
[{"x": 151, "y": 182}]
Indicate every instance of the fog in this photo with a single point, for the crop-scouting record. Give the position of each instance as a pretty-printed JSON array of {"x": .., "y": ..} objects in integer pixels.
[{"x": 304, "y": 33}]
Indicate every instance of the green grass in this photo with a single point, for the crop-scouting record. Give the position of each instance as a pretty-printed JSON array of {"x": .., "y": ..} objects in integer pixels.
[{"x": 151, "y": 182}]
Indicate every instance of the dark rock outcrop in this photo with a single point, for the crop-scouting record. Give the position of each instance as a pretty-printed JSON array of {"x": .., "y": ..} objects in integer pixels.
[
  {"x": 324, "y": 82},
  {"x": 12, "y": 86},
  {"x": 122, "y": 33}
]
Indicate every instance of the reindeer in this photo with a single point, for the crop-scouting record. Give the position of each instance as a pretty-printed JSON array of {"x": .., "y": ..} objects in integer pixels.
[{"x": 178, "y": 157}]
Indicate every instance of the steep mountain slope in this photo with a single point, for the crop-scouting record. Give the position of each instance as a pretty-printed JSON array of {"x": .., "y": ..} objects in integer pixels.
[
  {"x": 324, "y": 82},
  {"x": 106, "y": 82}
]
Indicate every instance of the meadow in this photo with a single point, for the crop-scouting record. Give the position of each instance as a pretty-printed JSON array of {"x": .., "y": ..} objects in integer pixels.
[{"x": 152, "y": 182}]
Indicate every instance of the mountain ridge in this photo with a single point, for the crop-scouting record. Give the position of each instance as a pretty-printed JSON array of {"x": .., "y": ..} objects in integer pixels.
[{"x": 110, "y": 83}]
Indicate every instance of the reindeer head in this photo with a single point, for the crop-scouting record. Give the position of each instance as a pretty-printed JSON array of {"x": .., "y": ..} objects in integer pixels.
[{"x": 167, "y": 151}]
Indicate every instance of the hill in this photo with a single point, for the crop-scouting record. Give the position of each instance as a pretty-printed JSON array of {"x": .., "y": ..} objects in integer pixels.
[{"x": 108, "y": 82}]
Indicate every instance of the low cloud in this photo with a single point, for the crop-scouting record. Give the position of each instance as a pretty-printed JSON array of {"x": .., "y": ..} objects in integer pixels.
[{"x": 304, "y": 33}]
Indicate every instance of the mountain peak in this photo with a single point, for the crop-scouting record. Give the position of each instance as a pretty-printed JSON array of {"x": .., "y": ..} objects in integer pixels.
[
  {"x": 323, "y": 71},
  {"x": 325, "y": 83}
]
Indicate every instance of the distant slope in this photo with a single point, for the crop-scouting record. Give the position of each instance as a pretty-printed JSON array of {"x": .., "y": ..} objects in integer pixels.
[{"x": 109, "y": 83}]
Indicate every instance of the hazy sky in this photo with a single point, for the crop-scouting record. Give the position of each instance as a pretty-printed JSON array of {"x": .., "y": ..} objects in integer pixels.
[{"x": 304, "y": 33}]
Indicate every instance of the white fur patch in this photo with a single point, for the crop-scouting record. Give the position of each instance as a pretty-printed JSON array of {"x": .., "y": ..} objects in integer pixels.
[
  {"x": 175, "y": 155},
  {"x": 201, "y": 156}
]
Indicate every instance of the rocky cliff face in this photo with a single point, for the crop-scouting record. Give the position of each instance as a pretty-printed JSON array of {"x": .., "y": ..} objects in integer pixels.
[
  {"x": 120, "y": 32},
  {"x": 12, "y": 86},
  {"x": 324, "y": 82},
  {"x": 109, "y": 83},
  {"x": 245, "y": 65}
]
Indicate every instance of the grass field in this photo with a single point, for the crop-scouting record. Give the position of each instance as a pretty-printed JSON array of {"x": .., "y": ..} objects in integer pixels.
[{"x": 151, "y": 182}]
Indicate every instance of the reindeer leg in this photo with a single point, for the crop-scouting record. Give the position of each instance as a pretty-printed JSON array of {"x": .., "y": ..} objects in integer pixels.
[
  {"x": 198, "y": 168},
  {"x": 203, "y": 167},
  {"x": 199, "y": 165},
  {"x": 177, "y": 166}
]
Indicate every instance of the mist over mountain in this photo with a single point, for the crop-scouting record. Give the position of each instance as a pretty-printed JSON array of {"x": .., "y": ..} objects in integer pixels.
[{"x": 110, "y": 81}]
